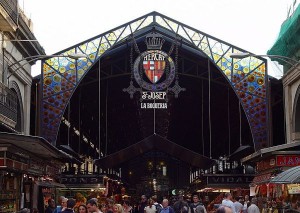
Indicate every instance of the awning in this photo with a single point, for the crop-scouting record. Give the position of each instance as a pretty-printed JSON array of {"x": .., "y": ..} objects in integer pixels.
[
  {"x": 155, "y": 142},
  {"x": 261, "y": 179},
  {"x": 33, "y": 144},
  {"x": 289, "y": 176},
  {"x": 241, "y": 152}
]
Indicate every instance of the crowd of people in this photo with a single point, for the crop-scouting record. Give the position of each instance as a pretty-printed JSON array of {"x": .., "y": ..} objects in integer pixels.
[{"x": 151, "y": 205}]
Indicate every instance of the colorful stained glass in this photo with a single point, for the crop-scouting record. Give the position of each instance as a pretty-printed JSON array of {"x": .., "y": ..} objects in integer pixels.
[{"x": 248, "y": 76}]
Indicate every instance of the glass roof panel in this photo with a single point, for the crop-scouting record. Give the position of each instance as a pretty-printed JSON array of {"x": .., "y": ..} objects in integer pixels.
[
  {"x": 173, "y": 25},
  {"x": 162, "y": 22},
  {"x": 146, "y": 22},
  {"x": 183, "y": 34}
]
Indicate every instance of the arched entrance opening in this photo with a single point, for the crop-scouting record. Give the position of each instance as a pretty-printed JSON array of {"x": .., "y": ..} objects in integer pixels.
[
  {"x": 205, "y": 122},
  {"x": 213, "y": 125}
]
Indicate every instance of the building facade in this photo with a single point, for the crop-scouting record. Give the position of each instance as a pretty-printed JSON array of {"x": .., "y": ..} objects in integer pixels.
[{"x": 17, "y": 43}]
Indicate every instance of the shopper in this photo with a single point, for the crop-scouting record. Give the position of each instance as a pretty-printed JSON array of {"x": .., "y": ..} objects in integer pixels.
[
  {"x": 92, "y": 206},
  {"x": 82, "y": 208},
  {"x": 227, "y": 201},
  {"x": 70, "y": 206},
  {"x": 253, "y": 208},
  {"x": 196, "y": 202},
  {"x": 126, "y": 207},
  {"x": 51, "y": 206}
]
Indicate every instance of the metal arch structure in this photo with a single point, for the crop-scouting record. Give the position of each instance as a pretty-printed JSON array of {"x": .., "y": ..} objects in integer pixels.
[{"x": 248, "y": 77}]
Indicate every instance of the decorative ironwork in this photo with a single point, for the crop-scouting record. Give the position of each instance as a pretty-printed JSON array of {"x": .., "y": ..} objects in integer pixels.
[
  {"x": 248, "y": 77},
  {"x": 8, "y": 106}
]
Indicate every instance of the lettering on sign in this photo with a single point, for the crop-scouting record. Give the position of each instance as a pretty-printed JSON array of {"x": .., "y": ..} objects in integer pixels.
[
  {"x": 229, "y": 179},
  {"x": 81, "y": 179},
  {"x": 154, "y": 95},
  {"x": 288, "y": 160}
]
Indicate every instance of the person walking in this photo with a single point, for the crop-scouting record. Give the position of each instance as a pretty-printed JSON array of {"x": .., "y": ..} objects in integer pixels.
[
  {"x": 70, "y": 206},
  {"x": 196, "y": 202},
  {"x": 166, "y": 208},
  {"x": 82, "y": 209},
  {"x": 51, "y": 206},
  {"x": 227, "y": 201},
  {"x": 253, "y": 208},
  {"x": 92, "y": 206}
]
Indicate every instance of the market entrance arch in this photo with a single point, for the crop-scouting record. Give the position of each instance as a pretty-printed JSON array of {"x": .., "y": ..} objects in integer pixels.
[{"x": 247, "y": 77}]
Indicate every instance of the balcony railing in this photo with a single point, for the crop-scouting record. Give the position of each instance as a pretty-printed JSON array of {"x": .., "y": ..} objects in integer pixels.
[
  {"x": 8, "y": 106},
  {"x": 11, "y": 7}
]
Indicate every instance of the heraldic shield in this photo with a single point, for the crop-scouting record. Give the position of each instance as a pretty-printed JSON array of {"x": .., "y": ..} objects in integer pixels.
[{"x": 154, "y": 69}]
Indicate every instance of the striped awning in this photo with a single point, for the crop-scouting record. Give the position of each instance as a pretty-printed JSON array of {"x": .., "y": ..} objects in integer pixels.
[{"x": 289, "y": 176}]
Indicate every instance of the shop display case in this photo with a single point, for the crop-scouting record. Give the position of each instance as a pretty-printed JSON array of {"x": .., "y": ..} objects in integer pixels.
[{"x": 8, "y": 201}]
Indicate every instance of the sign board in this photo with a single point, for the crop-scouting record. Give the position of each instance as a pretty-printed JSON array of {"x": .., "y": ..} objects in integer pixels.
[
  {"x": 222, "y": 180},
  {"x": 288, "y": 160},
  {"x": 293, "y": 189},
  {"x": 81, "y": 179}
]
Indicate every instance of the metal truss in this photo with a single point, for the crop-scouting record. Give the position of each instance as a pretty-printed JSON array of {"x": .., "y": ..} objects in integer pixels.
[{"x": 248, "y": 77}]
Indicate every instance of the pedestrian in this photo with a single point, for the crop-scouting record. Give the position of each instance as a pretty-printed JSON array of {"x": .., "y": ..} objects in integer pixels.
[
  {"x": 126, "y": 207},
  {"x": 180, "y": 206},
  {"x": 142, "y": 204},
  {"x": 117, "y": 208},
  {"x": 224, "y": 209},
  {"x": 166, "y": 208},
  {"x": 150, "y": 208},
  {"x": 63, "y": 204},
  {"x": 92, "y": 206},
  {"x": 82, "y": 209},
  {"x": 227, "y": 201},
  {"x": 238, "y": 206},
  {"x": 253, "y": 208},
  {"x": 70, "y": 206},
  {"x": 200, "y": 209},
  {"x": 51, "y": 206},
  {"x": 196, "y": 202}
]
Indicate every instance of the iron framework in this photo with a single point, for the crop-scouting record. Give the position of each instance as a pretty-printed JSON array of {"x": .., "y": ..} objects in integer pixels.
[{"x": 248, "y": 77}]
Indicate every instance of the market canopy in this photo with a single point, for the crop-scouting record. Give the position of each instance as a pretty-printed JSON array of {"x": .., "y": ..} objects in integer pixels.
[
  {"x": 289, "y": 176},
  {"x": 155, "y": 142}
]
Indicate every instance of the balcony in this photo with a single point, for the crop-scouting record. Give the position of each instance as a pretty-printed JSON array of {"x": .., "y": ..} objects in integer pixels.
[
  {"x": 8, "y": 15},
  {"x": 8, "y": 106}
]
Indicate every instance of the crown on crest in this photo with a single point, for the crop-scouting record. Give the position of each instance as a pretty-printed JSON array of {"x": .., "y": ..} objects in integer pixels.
[{"x": 154, "y": 41}]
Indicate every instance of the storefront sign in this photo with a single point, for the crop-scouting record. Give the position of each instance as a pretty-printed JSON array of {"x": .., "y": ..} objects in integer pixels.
[
  {"x": 264, "y": 178},
  {"x": 293, "y": 189},
  {"x": 288, "y": 160},
  {"x": 36, "y": 166},
  {"x": 265, "y": 164},
  {"x": 225, "y": 180},
  {"x": 81, "y": 179}
]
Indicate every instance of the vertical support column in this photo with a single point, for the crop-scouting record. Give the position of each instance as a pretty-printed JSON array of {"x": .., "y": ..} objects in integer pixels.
[{"x": 26, "y": 103}]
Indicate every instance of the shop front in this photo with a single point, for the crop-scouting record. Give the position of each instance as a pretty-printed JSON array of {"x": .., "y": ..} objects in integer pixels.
[
  {"x": 12, "y": 168},
  {"x": 28, "y": 170},
  {"x": 270, "y": 163},
  {"x": 83, "y": 187},
  {"x": 218, "y": 184}
]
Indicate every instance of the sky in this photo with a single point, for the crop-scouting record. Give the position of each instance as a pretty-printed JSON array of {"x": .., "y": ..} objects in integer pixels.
[{"x": 252, "y": 25}]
